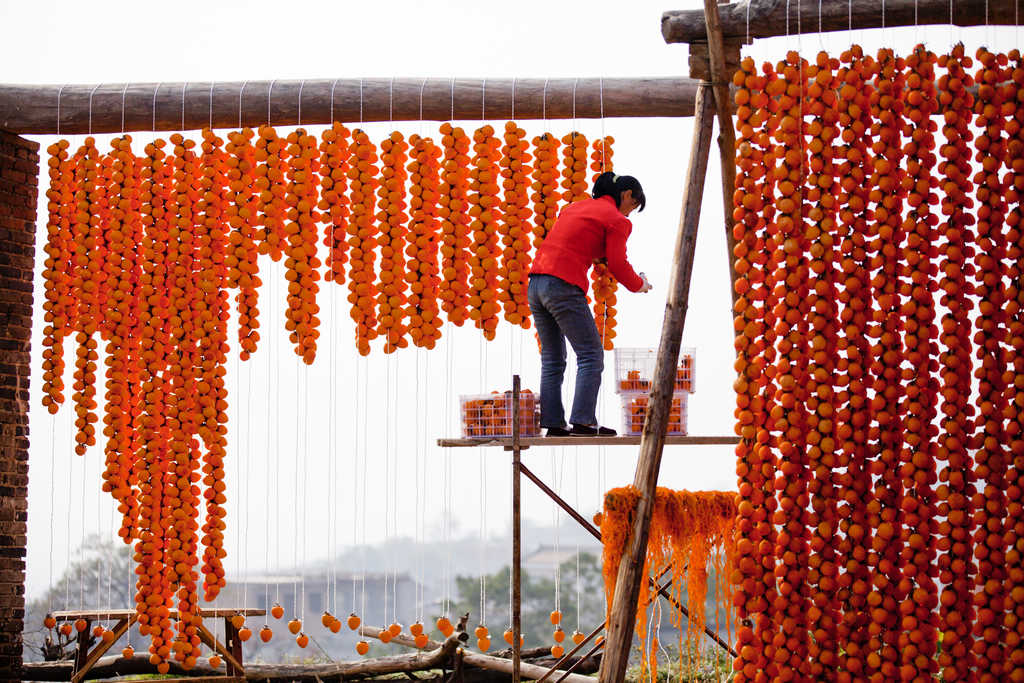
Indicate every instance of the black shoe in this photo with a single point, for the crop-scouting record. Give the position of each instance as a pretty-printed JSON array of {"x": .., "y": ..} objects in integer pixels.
[
  {"x": 557, "y": 431},
  {"x": 586, "y": 430}
]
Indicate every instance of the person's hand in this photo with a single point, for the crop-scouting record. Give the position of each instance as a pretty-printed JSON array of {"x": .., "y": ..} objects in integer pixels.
[{"x": 647, "y": 286}]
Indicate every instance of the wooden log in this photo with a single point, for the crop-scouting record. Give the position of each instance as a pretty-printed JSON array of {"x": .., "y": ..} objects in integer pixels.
[
  {"x": 630, "y": 577},
  {"x": 527, "y": 442},
  {"x": 721, "y": 74},
  {"x": 767, "y": 18},
  {"x": 32, "y": 109}
]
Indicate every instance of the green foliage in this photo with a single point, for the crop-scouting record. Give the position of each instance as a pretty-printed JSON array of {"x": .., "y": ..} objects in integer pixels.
[{"x": 538, "y": 600}]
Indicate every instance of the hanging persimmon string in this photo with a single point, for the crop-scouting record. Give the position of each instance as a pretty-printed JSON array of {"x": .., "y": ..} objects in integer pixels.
[{"x": 887, "y": 474}]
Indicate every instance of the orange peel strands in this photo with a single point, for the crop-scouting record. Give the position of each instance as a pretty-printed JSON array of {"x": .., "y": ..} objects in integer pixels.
[
  {"x": 301, "y": 261},
  {"x": 335, "y": 162},
  {"x": 514, "y": 230},
  {"x": 454, "y": 214},
  {"x": 392, "y": 218},
  {"x": 688, "y": 531},
  {"x": 363, "y": 233},
  {"x": 603, "y": 283},
  {"x": 485, "y": 213},
  {"x": 241, "y": 212},
  {"x": 423, "y": 241}
]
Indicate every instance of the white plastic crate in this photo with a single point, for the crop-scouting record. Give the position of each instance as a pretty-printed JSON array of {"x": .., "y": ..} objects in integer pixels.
[
  {"x": 634, "y": 369},
  {"x": 490, "y": 415},
  {"x": 634, "y": 412}
]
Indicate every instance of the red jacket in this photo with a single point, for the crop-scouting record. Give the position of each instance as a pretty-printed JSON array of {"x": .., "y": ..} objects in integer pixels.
[{"x": 587, "y": 230}]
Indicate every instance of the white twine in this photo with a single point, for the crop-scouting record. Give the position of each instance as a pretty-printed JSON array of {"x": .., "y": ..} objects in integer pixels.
[
  {"x": 124, "y": 94},
  {"x": 240, "y": 91},
  {"x": 184, "y": 88},
  {"x": 90, "y": 106},
  {"x": 302, "y": 84},
  {"x": 211, "y": 103},
  {"x": 269, "y": 91},
  {"x": 155, "y": 91},
  {"x": 333, "y": 86},
  {"x": 61, "y": 90}
]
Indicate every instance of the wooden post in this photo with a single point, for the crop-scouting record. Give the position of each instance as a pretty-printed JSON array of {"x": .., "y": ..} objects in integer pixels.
[
  {"x": 720, "y": 77},
  {"x": 630, "y": 577},
  {"x": 82, "y": 651},
  {"x": 517, "y": 589}
]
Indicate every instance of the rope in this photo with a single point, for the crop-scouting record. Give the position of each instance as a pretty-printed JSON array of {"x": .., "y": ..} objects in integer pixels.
[
  {"x": 184, "y": 88},
  {"x": 155, "y": 91},
  {"x": 240, "y": 91},
  {"x": 360, "y": 100},
  {"x": 91, "y": 93},
  {"x": 270, "y": 90},
  {"x": 302, "y": 85},
  {"x": 391, "y": 100},
  {"x": 211, "y": 104},
  {"x": 453, "y": 99},
  {"x": 513, "y": 98},
  {"x": 333, "y": 86},
  {"x": 295, "y": 548},
  {"x": 544, "y": 101},
  {"x": 483, "y": 100},
  {"x": 61, "y": 90},
  {"x": 124, "y": 94}
]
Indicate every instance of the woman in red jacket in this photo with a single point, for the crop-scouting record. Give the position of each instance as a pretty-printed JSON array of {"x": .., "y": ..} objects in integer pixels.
[{"x": 584, "y": 232}]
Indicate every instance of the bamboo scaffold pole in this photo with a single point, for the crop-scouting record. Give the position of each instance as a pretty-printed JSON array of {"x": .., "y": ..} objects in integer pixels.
[{"x": 33, "y": 109}]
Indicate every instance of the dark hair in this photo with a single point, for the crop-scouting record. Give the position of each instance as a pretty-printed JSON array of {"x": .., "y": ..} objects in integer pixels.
[{"x": 610, "y": 185}]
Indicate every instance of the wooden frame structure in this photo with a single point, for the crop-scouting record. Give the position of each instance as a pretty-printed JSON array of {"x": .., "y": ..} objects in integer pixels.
[{"x": 714, "y": 35}]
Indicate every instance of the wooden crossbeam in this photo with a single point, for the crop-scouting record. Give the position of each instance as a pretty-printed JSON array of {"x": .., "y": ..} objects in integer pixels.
[
  {"x": 768, "y": 18},
  {"x": 526, "y": 442},
  {"x": 121, "y": 107}
]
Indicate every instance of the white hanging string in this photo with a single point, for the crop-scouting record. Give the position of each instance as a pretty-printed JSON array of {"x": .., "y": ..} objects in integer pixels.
[
  {"x": 59, "y": 92},
  {"x": 748, "y": 21},
  {"x": 302, "y": 84},
  {"x": 453, "y": 99},
  {"x": 270, "y": 91},
  {"x": 124, "y": 95},
  {"x": 483, "y": 100},
  {"x": 211, "y": 104},
  {"x": 91, "y": 93},
  {"x": 544, "y": 101},
  {"x": 155, "y": 91},
  {"x": 240, "y": 91},
  {"x": 184, "y": 88},
  {"x": 391, "y": 100},
  {"x": 360, "y": 100},
  {"x": 513, "y": 98},
  {"x": 333, "y": 86}
]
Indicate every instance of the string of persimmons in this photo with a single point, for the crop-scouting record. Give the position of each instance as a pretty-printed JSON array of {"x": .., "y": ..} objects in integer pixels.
[
  {"x": 144, "y": 250},
  {"x": 880, "y": 392}
]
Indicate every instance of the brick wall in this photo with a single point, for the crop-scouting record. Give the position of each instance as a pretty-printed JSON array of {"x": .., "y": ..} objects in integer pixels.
[{"x": 19, "y": 179}]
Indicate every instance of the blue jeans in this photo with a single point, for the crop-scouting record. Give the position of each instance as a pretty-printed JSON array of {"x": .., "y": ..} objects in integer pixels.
[{"x": 560, "y": 312}]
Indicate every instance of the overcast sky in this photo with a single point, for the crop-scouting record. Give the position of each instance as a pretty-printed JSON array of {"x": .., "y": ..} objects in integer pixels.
[{"x": 298, "y": 479}]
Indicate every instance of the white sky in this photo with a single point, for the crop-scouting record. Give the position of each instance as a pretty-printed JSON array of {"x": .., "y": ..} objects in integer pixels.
[{"x": 281, "y": 474}]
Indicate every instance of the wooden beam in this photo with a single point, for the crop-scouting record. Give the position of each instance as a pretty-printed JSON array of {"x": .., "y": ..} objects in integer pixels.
[
  {"x": 720, "y": 80},
  {"x": 32, "y": 109},
  {"x": 767, "y": 18},
  {"x": 527, "y": 442},
  {"x": 630, "y": 577}
]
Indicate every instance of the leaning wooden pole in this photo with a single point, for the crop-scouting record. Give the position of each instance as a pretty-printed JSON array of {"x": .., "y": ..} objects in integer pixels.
[
  {"x": 631, "y": 574},
  {"x": 517, "y": 579},
  {"x": 126, "y": 107},
  {"x": 720, "y": 77}
]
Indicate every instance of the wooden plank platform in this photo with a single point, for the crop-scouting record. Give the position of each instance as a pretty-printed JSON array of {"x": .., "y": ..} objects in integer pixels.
[{"x": 526, "y": 442}]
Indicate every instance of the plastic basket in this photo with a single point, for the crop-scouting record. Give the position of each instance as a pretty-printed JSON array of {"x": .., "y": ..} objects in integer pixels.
[
  {"x": 634, "y": 412},
  {"x": 490, "y": 415},
  {"x": 634, "y": 369}
]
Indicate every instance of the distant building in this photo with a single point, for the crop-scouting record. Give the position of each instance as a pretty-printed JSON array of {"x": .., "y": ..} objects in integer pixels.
[{"x": 543, "y": 561}]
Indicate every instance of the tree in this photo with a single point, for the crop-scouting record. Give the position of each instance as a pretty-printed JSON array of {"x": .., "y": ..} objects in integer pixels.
[
  {"x": 538, "y": 601},
  {"x": 102, "y": 577}
]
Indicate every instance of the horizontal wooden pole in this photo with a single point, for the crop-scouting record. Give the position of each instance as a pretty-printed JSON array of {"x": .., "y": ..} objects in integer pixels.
[
  {"x": 32, "y": 109},
  {"x": 526, "y": 442},
  {"x": 767, "y": 18}
]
